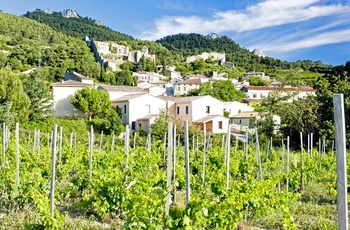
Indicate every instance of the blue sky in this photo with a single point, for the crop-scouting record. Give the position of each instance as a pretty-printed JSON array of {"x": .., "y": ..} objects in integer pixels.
[{"x": 286, "y": 29}]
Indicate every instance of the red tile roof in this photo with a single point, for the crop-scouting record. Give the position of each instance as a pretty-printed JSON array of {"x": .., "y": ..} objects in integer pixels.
[{"x": 302, "y": 89}]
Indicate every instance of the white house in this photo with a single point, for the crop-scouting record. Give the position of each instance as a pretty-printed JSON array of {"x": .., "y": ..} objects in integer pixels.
[
  {"x": 169, "y": 88},
  {"x": 120, "y": 91},
  {"x": 170, "y": 70},
  {"x": 200, "y": 110},
  {"x": 148, "y": 76},
  {"x": 143, "y": 84},
  {"x": 235, "y": 107},
  {"x": 62, "y": 92},
  {"x": 146, "y": 122},
  {"x": 243, "y": 121},
  {"x": 138, "y": 109},
  {"x": 213, "y": 123},
  {"x": 183, "y": 87},
  {"x": 155, "y": 90},
  {"x": 259, "y": 92}
]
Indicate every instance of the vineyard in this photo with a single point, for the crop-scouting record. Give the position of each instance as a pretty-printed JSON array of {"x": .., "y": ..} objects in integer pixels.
[{"x": 107, "y": 182}]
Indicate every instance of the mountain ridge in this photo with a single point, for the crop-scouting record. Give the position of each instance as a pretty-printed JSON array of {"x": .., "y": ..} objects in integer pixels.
[{"x": 71, "y": 23}]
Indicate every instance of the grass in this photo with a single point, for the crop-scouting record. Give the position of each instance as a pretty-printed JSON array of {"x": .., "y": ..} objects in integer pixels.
[{"x": 28, "y": 218}]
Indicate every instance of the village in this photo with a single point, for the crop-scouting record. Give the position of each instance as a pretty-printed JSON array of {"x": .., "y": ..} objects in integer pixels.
[{"x": 141, "y": 104}]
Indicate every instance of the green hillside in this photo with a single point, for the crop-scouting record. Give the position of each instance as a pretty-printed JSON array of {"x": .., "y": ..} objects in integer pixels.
[
  {"x": 77, "y": 27},
  {"x": 19, "y": 45},
  {"x": 184, "y": 45},
  {"x": 173, "y": 50}
]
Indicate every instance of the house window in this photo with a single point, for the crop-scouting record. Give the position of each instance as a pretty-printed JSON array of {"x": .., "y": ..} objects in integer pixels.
[
  {"x": 124, "y": 109},
  {"x": 178, "y": 88},
  {"x": 186, "y": 109},
  {"x": 177, "y": 110},
  {"x": 184, "y": 88},
  {"x": 240, "y": 121},
  {"x": 220, "y": 124},
  {"x": 207, "y": 109},
  {"x": 133, "y": 125},
  {"x": 239, "y": 111},
  {"x": 140, "y": 125},
  {"x": 254, "y": 95}
]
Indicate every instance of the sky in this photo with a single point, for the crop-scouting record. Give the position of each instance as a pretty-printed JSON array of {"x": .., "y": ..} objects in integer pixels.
[{"x": 289, "y": 30}]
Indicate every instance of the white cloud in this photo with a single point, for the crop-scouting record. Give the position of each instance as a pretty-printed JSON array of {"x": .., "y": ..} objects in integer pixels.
[
  {"x": 266, "y": 14},
  {"x": 331, "y": 37}
]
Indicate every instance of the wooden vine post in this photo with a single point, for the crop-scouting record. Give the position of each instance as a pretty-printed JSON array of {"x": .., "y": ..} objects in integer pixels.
[
  {"x": 91, "y": 148},
  {"x": 340, "y": 144},
  {"x": 187, "y": 165},
  {"x": 17, "y": 153},
  {"x": 228, "y": 146},
  {"x": 3, "y": 144},
  {"x": 169, "y": 165},
  {"x": 258, "y": 156},
  {"x": 302, "y": 160},
  {"x": 53, "y": 171},
  {"x": 174, "y": 163}
]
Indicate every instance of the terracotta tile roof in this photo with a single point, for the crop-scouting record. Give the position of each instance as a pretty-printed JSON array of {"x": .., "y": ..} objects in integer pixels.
[
  {"x": 245, "y": 115},
  {"x": 150, "y": 116},
  {"x": 234, "y": 130},
  {"x": 247, "y": 100},
  {"x": 128, "y": 97},
  {"x": 111, "y": 88},
  {"x": 189, "y": 81},
  {"x": 206, "y": 118},
  {"x": 188, "y": 99},
  {"x": 159, "y": 82},
  {"x": 168, "y": 98},
  {"x": 69, "y": 83}
]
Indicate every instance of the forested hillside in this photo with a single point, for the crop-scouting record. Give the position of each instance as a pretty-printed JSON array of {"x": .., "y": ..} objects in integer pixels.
[
  {"x": 77, "y": 27},
  {"x": 20, "y": 43},
  {"x": 24, "y": 44},
  {"x": 193, "y": 44}
]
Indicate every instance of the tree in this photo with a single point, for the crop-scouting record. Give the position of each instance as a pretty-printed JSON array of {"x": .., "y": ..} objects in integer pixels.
[
  {"x": 257, "y": 81},
  {"x": 124, "y": 78},
  {"x": 39, "y": 95},
  {"x": 111, "y": 124},
  {"x": 160, "y": 125},
  {"x": 205, "y": 88},
  {"x": 335, "y": 80},
  {"x": 226, "y": 91},
  {"x": 3, "y": 60},
  {"x": 299, "y": 116},
  {"x": 5, "y": 113},
  {"x": 127, "y": 66},
  {"x": 221, "y": 90},
  {"x": 93, "y": 102},
  {"x": 11, "y": 90}
]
